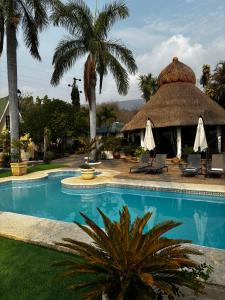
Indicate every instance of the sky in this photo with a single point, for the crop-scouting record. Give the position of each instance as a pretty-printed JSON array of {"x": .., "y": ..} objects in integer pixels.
[{"x": 156, "y": 31}]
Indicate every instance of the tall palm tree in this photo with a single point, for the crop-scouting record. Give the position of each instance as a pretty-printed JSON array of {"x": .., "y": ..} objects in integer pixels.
[
  {"x": 148, "y": 86},
  {"x": 31, "y": 17},
  {"x": 89, "y": 36}
]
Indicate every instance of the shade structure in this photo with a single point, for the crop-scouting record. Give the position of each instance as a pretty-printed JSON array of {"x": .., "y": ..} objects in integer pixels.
[
  {"x": 149, "y": 143},
  {"x": 200, "y": 138}
]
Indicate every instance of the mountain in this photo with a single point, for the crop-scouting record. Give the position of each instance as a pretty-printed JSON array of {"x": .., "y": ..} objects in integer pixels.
[{"x": 131, "y": 105}]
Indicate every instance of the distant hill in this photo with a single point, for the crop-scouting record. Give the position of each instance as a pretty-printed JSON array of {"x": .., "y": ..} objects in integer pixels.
[{"x": 131, "y": 105}]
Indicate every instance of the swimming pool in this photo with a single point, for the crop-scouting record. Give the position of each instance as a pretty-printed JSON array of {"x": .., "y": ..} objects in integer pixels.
[{"x": 203, "y": 216}]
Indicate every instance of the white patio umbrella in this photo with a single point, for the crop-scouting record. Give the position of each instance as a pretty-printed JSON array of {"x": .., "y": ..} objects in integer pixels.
[
  {"x": 200, "y": 138},
  {"x": 149, "y": 143}
]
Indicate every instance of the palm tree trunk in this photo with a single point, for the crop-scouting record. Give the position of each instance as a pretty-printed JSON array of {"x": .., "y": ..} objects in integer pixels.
[
  {"x": 92, "y": 116},
  {"x": 12, "y": 85}
]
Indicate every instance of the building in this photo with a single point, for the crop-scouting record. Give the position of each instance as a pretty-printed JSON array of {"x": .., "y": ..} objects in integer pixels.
[
  {"x": 174, "y": 111},
  {"x": 4, "y": 114}
]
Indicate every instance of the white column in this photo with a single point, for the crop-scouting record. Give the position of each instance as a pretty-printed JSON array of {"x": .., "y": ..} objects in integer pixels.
[
  {"x": 218, "y": 134},
  {"x": 179, "y": 142},
  {"x": 142, "y": 138}
]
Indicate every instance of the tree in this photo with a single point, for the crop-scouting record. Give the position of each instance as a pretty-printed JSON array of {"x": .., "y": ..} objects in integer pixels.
[
  {"x": 75, "y": 96},
  {"x": 106, "y": 114},
  {"x": 148, "y": 86},
  {"x": 89, "y": 36},
  {"x": 214, "y": 84},
  {"x": 32, "y": 17}
]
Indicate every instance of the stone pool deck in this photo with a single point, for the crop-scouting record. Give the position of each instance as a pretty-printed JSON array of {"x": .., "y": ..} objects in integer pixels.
[{"x": 46, "y": 232}]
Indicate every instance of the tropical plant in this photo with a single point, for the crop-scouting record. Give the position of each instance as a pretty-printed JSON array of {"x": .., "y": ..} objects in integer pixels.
[
  {"x": 87, "y": 146},
  {"x": 89, "y": 36},
  {"x": 148, "y": 86},
  {"x": 31, "y": 17},
  {"x": 139, "y": 151},
  {"x": 127, "y": 263},
  {"x": 214, "y": 83}
]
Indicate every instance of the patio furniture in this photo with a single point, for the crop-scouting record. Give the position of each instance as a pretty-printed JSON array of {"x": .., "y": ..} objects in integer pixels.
[
  {"x": 217, "y": 168},
  {"x": 158, "y": 164},
  {"x": 142, "y": 165},
  {"x": 193, "y": 165}
]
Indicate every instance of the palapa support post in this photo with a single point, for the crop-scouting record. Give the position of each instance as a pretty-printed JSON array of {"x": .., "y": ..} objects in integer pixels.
[
  {"x": 218, "y": 134},
  {"x": 142, "y": 138},
  {"x": 179, "y": 143}
]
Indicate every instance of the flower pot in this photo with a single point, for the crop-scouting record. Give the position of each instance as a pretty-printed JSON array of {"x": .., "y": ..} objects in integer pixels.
[
  {"x": 87, "y": 174},
  {"x": 18, "y": 169},
  {"x": 116, "y": 154},
  {"x": 25, "y": 155}
]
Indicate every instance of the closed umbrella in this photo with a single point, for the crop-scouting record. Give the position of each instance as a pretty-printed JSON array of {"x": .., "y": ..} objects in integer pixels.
[
  {"x": 149, "y": 143},
  {"x": 200, "y": 138}
]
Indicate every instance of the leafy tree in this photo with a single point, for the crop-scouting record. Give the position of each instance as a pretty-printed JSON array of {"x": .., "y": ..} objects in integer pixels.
[
  {"x": 56, "y": 115},
  {"x": 106, "y": 114},
  {"x": 124, "y": 262},
  {"x": 89, "y": 36},
  {"x": 214, "y": 84},
  {"x": 148, "y": 86},
  {"x": 31, "y": 17}
]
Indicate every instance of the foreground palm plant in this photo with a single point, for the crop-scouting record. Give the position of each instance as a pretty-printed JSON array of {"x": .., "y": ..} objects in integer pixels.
[
  {"x": 126, "y": 263},
  {"x": 89, "y": 37}
]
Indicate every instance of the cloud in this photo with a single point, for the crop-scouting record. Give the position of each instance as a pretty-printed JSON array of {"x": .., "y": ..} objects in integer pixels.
[{"x": 192, "y": 53}]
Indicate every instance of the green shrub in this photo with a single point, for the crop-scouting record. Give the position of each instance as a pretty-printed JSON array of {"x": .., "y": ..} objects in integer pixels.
[
  {"x": 139, "y": 150},
  {"x": 49, "y": 155},
  {"x": 129, "y": 150}
]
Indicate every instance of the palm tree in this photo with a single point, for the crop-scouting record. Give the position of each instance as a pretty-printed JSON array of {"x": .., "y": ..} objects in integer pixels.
[
  {"x": 32, "y": 17},
  {"x": 89, "y": 36},
  {"x": 106, "y": 114},
  {"x": 148, "y": 86}
]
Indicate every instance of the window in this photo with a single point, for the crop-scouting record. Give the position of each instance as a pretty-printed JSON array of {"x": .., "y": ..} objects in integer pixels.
[{"x": 7, "y": 122}]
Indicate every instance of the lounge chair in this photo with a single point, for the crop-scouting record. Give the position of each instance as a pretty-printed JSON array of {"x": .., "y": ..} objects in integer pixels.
[
  {"x": 193, "y": 165},
  {"x": 142, "y": 165},
  {"x": 158, "y": 164},
  {"x": 217, "y": 168}
]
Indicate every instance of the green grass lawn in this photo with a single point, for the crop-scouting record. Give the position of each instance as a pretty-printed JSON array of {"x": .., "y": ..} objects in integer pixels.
[
  {"x": 41, "y": 167},
  {"x": 26, "y": 272}
]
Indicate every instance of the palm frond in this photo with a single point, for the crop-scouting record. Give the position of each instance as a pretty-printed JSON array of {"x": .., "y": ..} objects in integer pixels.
[
  {"x": 39, "y": 10},
  {"x": 66, "y": 54},
  {"x": 123, "y": 54},
  {"x": 30, "y": 30},
  {"x": 2, "y": 29},
  {"x": 75, "y": 16},
  {"x": 111, "y": 13},
  {"x": 120, "y": 75}
]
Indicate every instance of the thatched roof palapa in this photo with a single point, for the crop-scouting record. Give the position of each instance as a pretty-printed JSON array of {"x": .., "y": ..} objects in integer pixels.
[{"x": 178, "y": 102}]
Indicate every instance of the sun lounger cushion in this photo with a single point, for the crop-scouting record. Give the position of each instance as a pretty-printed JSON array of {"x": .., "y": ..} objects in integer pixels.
[{"x": 217, "y": 169}]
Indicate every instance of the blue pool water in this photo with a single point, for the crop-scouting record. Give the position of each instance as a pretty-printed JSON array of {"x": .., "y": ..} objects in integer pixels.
[{"x": 203, "y": 217}]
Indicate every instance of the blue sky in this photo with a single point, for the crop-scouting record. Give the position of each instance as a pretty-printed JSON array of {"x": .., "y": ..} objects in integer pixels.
[{"x": 193, "y": 30}]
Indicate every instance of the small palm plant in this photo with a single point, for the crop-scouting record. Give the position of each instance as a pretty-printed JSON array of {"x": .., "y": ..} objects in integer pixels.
[
  {"x": 124, "y": 262},
  {"x": 87, "y": 146}
]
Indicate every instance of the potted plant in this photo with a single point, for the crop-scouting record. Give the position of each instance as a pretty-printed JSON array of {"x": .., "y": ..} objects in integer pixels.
[
  {"x": 88, "y": 146},
  {"x": 126, "y": 262},
  {"x": 18, "y": 167},
  {"x": 87, "y": 172}
]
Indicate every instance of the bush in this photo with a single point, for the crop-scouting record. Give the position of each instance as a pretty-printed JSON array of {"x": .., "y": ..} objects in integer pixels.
[
  {"x": 49, "y": 155},
  {"x": 139, "y": 151},
  {"x": 129, "y": 150},
  {"x": 111, "y": 143},
  {"x": 126, "y": 263}
]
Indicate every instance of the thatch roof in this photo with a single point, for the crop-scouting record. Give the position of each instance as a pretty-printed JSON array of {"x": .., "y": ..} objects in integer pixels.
[{"x": 178, "y": 102}]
